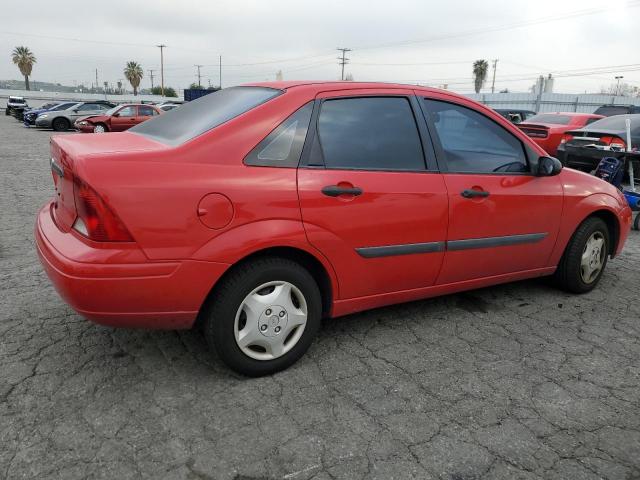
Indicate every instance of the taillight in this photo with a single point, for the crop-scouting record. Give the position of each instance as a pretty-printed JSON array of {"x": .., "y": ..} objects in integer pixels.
[
  {"x": 95, "y": 219},
  {"x": 614, "y": 142},
  {"x": 566, "y": 138}
]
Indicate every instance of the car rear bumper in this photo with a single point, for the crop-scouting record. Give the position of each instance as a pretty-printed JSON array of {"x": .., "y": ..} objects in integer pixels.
[{"x": 101, "y": 287}]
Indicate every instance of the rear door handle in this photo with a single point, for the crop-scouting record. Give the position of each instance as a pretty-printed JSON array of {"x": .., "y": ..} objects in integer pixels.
[
  {"x": 335, "y": 190},
  {"x": 468, "y": 193}
]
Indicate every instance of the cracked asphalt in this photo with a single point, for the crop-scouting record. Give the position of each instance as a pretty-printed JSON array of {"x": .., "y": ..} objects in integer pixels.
[{"x": 513, "y": 382}]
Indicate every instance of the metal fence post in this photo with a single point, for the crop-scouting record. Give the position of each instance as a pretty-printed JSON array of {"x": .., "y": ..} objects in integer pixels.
[{"x": 575, "y": 105}]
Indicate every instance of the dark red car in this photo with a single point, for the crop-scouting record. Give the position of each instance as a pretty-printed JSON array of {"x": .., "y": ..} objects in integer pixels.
[
  {"x": 118, "y": 119},
  {"x": 258, "y": 210},
  {"x": 547, "y": 129}
]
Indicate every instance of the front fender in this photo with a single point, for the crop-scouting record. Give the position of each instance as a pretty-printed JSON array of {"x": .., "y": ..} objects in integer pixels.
[
  {"x": 577, "y": 210},
  {"x": 240, "y": 242}
]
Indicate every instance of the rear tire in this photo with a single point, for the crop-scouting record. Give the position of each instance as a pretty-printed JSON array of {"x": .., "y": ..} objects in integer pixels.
[
  {"x": 60, "y": 124},
  {"x": 636, "y": 222},
  {"x": 585, "y": 257},
  {"x": 264, "y": 316}
]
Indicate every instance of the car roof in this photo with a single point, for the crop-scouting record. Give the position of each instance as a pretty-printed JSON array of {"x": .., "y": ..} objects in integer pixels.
[
  {"x": 324, "y": 85},
  {"x": 571, "y": 114}
]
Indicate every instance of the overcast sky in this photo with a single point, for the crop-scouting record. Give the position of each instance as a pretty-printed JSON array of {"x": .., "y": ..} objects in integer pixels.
[{"x": 409, "y": 41}]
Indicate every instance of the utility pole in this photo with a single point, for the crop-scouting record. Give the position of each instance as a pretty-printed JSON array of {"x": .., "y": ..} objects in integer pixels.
[
  {"x": 151, "y": 76},
  {"x": 161, "y": 47},
  {"x": 198, "y": 67},
  {"x": 220, "y": 70},
  {"x": 342, "y": 61},
  {"x": 618, "y": 78},
  {"x": 493, "y": 82},
  {"x": 97, "y": 80}
]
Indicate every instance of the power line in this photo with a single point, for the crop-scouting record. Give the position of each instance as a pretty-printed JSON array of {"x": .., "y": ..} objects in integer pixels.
[{"x": 497, "y": 28}]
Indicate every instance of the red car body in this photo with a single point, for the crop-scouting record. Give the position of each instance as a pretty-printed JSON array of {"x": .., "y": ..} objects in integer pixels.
[
  {"x": 547, "y": 129},
  {"x": 169, "y": 221},
  {"x": 121, "y": 118}
]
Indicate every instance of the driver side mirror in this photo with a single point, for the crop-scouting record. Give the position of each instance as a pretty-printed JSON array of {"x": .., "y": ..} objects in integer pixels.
[{"x": 548, "y": 167}]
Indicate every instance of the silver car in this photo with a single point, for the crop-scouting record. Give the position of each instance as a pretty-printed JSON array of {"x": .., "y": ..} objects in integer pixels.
[{"x": 64, "y": 119}]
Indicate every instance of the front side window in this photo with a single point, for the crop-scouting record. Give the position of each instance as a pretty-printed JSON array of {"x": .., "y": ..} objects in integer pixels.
[
  {"x": 283, "y": 146},
  {"x": 473, "y": 143},
  {"x": 369, "y": 133}
]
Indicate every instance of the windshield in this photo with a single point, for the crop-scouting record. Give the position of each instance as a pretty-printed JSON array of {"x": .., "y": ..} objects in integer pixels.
[
  {"x": 553, "y": 119},
  {"x": 194, "y": 118},
  {"x": 111, "y": 111},
  {"x": 17, "y": 100}
]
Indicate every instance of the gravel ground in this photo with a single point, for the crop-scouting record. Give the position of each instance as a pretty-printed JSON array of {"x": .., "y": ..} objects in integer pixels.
[{"x": 512, "y": 382}]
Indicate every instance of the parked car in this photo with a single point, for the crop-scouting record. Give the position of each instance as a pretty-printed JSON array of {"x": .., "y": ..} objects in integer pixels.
[
  {"x": 547, "y": 129},
  {"x": 165, "y": 107},
  {"x": 585, "y": 147},
  {"x": 118, "y": 119},
  {"x": 63, "y": 119},
  {"x": 611, "y": 110},
  {"x": 260, "y": 209},
  {"x": 31, "y": 115},
  {"x": 515, "y": 115},
  {"x": 15, "y": 104}
]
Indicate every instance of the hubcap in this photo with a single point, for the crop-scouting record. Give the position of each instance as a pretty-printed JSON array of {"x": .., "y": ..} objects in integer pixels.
[
  {"x": 593, "y": 257},
  {"x": 98, "y": 129},
  {"x": 270, "y": 320}
]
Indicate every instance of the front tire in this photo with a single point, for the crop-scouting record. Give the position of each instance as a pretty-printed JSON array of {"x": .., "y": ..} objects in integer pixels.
[
  {"x": 585, "y": 257},
  {"x": 264, "y": 316},
  {"x": 60, "y": 124},
  {"x": 100, "y": 128}
]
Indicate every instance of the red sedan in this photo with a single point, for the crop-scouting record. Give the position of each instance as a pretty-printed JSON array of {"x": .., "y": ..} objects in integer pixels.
[
  {"x": 118, "y": 119},
  {"x": 260, "y": 209},
  {"x": 547, "y": 129}
]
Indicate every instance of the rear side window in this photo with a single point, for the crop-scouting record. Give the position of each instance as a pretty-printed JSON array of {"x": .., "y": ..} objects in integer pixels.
[
  {"x": 473, "y": 143},
  {"x": 145, "y": 111},
  {"x": 199, "y": 116},
  {"x": 283, "y": 146},
  {"x": 369, "y": 133}
]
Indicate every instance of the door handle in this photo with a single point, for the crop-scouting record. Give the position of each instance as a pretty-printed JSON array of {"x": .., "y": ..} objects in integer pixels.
[
  {"x": 335, "y": 190},
  {"x": 469, "y": 193}
]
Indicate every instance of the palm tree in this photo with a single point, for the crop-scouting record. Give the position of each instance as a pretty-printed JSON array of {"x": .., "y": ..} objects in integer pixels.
[
  {"x": 24, "y": 59},
  {"x": 480, "y": 69},
  {"x": 134, "y": 73}
]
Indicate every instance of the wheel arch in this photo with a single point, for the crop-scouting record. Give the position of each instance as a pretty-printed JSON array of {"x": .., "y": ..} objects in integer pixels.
[
  {"x": 613, "y": 225},
  {"x": 326, "y": 282},
  {"x": 599, "y": 205}
]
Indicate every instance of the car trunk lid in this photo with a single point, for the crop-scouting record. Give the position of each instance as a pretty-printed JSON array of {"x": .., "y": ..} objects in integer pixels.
[{"x": 68, "y": 152}]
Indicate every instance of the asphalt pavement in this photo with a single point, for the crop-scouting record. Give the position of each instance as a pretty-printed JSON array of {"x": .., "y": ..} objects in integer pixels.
[{"x": 518, "y": 381}]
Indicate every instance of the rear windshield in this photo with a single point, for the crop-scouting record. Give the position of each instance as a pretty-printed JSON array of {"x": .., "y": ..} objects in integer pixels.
[
  {"x": 554, "y": 119},
  {"x": 194, "y": 118},
  {"x": 616, "y": 123},
  {"x": 610, "y": 111}
]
